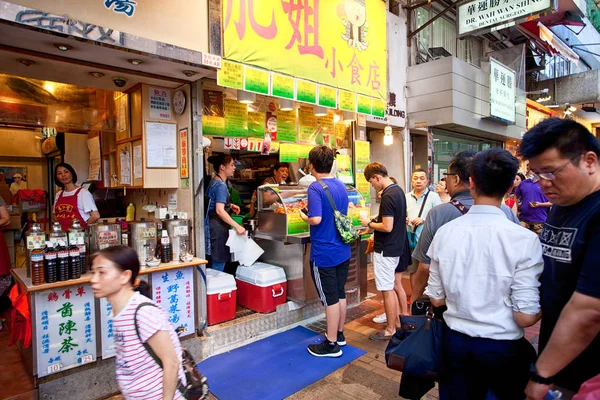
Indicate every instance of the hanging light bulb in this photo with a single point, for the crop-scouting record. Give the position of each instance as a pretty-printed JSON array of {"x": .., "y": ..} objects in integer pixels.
[
  {"x": 245, "y": 97},
  {"x": 286, "y": 104},
  {"x": 320, "y": 111},
  {"x": 348, "y": 116},
  {"x": 388, "y": 138}
]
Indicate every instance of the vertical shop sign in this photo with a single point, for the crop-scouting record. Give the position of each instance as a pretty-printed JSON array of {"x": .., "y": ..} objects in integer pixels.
[
  {"x": 173, "y": 291},
  {"x": 307, "y": 125},
  {"x": 66, "y": 336},
  {"x": 503, "y": 90},
  {"x": 107, "y": 337},
  {"x": 256, "y": 80},
  {"x": 183, "y": 153},
  {"x": 286, "y": 126},
  {"x": 306, "y": 91},
  {"x": 362, "y": 152},
  {"x": 231, "y": 75},
  {"x": 283, "y": 86},
  {"x": 160, "y": 103},
  {"x": 256, "y": 124},
  {"x": 236, "y": 118}
]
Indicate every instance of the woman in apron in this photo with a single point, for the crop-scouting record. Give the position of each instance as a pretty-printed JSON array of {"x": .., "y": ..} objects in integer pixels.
[
  {"x": 73, "y": 202},
  {"x": 218, "y": 219},
  {"x": 4, "y": 255}
]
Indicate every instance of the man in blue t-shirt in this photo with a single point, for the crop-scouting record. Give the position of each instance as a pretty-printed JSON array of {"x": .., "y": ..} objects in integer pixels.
[
  {"x": 565, "y": 156},
  {"x": 329, "y": 255}
]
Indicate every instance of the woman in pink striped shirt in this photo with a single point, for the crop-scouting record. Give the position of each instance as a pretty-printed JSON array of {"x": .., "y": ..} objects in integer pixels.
[{"x": 138, "y": 374}]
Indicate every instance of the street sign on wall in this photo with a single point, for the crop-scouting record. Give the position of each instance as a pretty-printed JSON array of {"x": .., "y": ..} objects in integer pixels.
[{"x": 503, "y": 91}]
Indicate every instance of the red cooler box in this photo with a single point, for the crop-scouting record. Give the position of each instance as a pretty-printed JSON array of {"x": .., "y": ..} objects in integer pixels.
[
  {"x": 221, "y": 296},
  {"x": 261, "y": 287}
]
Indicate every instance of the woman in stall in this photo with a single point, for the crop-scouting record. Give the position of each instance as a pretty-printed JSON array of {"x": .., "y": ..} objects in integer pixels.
[
  {"x": 219, "y": 207},
  {"x": 72, "y": 202}
]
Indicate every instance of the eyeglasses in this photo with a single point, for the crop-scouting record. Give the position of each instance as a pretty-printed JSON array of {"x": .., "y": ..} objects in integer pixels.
[
  {"x": 449, "y": 173},
  {"x": 550, "y": 176}
]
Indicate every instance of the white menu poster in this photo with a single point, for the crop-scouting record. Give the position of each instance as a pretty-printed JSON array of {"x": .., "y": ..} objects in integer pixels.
[
  {"x": 161, "y": 145},
  {"x": 160, "y": 103},
  {"x": 66, "y": 328},
  {"x": 174, "y": 291},
  {"x": 107, "y": 338}
]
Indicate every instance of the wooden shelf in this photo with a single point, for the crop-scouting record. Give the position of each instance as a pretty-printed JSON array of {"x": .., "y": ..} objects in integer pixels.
[{"x": 128, "y": 140}]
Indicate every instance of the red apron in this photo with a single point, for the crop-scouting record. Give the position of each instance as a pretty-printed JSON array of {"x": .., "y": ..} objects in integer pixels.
[{"x": 66, "y": 210}]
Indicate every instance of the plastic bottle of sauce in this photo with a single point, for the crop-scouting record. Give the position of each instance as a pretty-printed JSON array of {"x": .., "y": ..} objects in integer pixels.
[
  {"x": 130, "y": 213},
  {"x": 63, "y": 261},
  {"x": 50, "y": 262},
  {"x": 37, "y": 265},
  {"x": 167, "y": 251}
]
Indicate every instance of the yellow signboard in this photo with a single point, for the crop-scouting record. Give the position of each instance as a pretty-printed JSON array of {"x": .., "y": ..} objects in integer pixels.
[
  {"x": 337, "y": 43},
  {"x": 231, "y": 75}
]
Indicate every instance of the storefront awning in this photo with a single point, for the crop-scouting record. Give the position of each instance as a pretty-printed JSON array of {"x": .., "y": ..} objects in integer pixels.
[{"x": 544, "y": 38}]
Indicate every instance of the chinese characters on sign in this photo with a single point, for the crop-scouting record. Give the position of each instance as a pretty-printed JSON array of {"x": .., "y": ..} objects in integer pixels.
[
  {"x": 107, "y": 335},
  {"x": 183, "y": 148},
  {"x": 66, "y": 336},
  {"x": 481, "y": 14},
  {"x": 126, "y": 7},
  {"x": 173, "y": 291},
  {"x": 160, "y": 103},
  {"x": 339, "y": 44},
  {"x": 502, "y": 92}
]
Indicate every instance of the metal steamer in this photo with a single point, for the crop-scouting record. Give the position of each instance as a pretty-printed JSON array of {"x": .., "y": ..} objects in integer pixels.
[
  {"x": 178, "y": 230},
  {"x": 142, "y": 238},
  {"x": 104, "y": 235}
]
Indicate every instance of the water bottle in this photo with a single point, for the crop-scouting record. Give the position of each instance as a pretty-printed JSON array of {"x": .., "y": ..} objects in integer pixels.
[
  {"x": 50, "y": 262},
  {"x": 74, "y": 267},
  {"x": 553, "y": 394},
  {"x": 63, "y": 261}
]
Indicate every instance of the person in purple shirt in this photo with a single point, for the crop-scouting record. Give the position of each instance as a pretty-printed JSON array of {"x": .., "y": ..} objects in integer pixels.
[{"x": 534, "y": 205}]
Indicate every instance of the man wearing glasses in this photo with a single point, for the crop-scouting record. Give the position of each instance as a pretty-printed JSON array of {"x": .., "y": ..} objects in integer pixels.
[
  {"x": 534, "y": 205},
  {"x": 565, "y": 156}
]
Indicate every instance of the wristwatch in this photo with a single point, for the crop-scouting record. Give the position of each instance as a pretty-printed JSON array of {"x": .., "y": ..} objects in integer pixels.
[
  {"x": 535, "y": 377},
  {"x": 369, "y": 225}
]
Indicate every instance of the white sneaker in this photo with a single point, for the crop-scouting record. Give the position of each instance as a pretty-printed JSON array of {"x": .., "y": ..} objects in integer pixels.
[{"x": 380, "y": 319}]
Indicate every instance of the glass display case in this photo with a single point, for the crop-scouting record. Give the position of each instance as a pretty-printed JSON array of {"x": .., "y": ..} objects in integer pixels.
[{"x": 278, "y": 207}]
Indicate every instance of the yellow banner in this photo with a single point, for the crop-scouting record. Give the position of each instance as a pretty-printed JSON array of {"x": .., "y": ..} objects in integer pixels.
[{"x": 339, "y": 43}]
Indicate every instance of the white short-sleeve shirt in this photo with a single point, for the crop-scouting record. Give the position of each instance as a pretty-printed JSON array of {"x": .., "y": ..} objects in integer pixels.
[{"x": 85, "y": 202}]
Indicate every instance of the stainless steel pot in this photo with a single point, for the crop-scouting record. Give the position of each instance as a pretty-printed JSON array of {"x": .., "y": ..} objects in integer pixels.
[
  {"x": 104, "y": 235},
  {"x": 179, "y": 231},
  {"x": 141, "y": 234}
]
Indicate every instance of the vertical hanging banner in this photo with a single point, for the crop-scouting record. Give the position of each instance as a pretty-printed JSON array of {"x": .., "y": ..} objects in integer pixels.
[
  {"x": 236, "y": 118},
  {"x": 183, "y": 153},
  {"x": 286, "y": 126},
  {"x": 307, "y": 125},
  {"x": 362, "y": 152},
  {"x": 341, "y": 44},
  {"x": 173, "y": 291},
  {"x": 66, "y": 333}
]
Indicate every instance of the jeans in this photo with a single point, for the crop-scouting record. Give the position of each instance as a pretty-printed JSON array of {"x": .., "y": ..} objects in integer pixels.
[
  {"x": 217, "y": 265},
  {"x": 476, "y": 365}
]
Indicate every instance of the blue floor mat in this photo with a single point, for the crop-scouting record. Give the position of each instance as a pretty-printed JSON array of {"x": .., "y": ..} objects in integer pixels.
[{"x": 272, "y": 368}]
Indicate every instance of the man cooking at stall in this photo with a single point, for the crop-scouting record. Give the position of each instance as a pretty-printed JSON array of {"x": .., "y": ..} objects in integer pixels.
[
  {"x": 72, "y": 202},
  {"x": 280, "y": 175}
]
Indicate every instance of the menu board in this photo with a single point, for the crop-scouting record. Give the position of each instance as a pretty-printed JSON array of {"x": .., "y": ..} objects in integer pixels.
[
  {"x": 362, "y": 151},
  {"x": 344, "y": 169},
  {"x": 307, "y": 125},
  {"x": 286, "y": 126},
  {"x": 236, "y": 118},
  {"x": 161, "y": 145},
  {"x": 173, "y": 291},
  {"x": 107, "y": 338},
  {"x": 66, "y": 328},
  {"x": 290, "y": 152},
  {"x": 325, "y": 127},
  {"x": 256, "y": 124}
]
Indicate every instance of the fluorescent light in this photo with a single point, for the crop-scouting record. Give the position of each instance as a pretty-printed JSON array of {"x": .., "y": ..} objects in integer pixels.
[
  {"x": 286, "y": 105},
  {"x": 245, "y": 97},
  {"x": 320, "y": 111}
]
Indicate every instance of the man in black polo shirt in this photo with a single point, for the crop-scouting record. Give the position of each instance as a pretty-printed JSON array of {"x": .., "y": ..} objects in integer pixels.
[
  {"x": 565, "y": 157},
  {"x": 390, "y": 237}
]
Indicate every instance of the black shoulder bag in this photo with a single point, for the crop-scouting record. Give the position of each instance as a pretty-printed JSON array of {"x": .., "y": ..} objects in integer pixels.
[{"x": 197, "y": 384}]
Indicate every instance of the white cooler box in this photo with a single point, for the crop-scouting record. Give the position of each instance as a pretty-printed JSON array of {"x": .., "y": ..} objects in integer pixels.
[
  {"x": 220, "y": 296},
  {"x": 261, "y": 287}
]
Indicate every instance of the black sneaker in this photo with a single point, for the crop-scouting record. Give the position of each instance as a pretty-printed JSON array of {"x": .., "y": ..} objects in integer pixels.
[
  {"x": 341, "y": 340},
  {"x": 325, "y": 349}
]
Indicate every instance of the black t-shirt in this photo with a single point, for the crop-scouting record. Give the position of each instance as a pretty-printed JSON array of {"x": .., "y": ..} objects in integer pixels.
[
  {"x": 393, "y": 204},
  {"x": 571, "y": 247}
]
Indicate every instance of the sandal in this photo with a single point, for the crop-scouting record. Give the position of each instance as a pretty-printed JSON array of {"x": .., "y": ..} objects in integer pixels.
[{"x": 379, "y": 336}]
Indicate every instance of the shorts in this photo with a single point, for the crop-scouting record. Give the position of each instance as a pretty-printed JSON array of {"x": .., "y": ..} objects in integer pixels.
[
  {"x": 412, "y": 268},
  {"x": 330, "y": 282},
  {"x": 385, "y": 271}
]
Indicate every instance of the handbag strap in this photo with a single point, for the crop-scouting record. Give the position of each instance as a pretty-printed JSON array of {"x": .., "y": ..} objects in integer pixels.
[
  {"x": 423, "y": 205},
  {"x": 180, "y": 386},
  {"x": 328, "y": 193}
]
